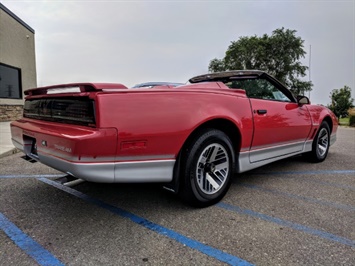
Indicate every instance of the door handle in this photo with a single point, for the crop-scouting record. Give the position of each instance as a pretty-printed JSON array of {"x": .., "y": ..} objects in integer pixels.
[{"x": 261, "y": 111}]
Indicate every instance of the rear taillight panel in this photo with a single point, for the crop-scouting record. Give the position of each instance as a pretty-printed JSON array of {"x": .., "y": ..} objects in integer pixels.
[{"x": 62, "y": 110}]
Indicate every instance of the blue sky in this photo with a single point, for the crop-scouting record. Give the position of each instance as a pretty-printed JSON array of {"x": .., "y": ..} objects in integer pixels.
[{"x": 137, "y": 41}]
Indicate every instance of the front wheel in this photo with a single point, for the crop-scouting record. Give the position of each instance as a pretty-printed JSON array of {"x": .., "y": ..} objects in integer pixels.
[
  {"x": 320, "y": 145},
  {"x": 208, "y": 165}
]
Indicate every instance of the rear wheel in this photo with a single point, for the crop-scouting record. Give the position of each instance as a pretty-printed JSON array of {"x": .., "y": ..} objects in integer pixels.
[
  {"x": 320, "y": 145},
  {"x": 208, "y": 165}
]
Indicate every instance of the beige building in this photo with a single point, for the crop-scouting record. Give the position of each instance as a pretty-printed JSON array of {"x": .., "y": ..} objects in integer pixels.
[{"x": 17, "y": 63}]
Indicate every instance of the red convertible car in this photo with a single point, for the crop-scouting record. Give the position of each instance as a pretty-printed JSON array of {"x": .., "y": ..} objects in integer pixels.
[{"x": 192, "y": 138}]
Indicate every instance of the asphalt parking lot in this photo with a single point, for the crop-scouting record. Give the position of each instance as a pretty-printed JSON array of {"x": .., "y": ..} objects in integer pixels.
[{"x": 287, "y": 213}]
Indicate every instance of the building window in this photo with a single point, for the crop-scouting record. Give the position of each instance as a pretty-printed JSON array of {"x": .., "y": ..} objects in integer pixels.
[{"x": 10, "y": 82}]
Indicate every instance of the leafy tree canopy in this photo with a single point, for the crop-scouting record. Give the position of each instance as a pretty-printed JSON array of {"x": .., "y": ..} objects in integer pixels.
[
  {"x": 341, "y": 101},
  {"x": 278, "y": 54}
]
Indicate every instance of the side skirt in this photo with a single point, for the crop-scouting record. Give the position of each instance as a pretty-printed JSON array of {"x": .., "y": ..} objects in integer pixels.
[{"x": 244, "y": 163}]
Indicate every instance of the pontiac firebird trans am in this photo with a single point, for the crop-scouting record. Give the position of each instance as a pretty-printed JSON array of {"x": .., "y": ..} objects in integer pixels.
[{"x": 191, "y": 138}]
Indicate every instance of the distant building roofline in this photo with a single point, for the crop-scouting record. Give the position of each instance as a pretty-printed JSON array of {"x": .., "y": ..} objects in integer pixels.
[{"x": 10, "y": 13}]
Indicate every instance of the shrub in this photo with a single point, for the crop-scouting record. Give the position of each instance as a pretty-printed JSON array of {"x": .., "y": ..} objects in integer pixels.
[
  {"x": 352, "y": 120},
  {"x": 351, "y": 113}
]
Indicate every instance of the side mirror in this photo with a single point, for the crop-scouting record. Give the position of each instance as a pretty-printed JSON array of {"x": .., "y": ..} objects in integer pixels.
[{"x": 303, "y": 100}]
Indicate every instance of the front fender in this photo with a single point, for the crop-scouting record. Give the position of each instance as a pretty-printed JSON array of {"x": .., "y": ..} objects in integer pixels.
[{"x": 319, "y": 114}]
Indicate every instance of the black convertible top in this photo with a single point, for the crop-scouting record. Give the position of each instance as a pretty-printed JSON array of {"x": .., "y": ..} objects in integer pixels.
[{"x": 226, "y": 74}]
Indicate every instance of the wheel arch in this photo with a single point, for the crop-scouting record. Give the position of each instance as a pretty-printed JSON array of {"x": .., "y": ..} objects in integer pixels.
[
  {"x": 222, "y": 124},
  {"x": 329, "y": 122}
]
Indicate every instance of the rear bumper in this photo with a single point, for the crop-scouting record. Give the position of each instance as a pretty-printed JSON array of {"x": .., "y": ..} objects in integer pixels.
[
  {"x": 89, "y": 154},
  {"x": 115, "y": 172}
]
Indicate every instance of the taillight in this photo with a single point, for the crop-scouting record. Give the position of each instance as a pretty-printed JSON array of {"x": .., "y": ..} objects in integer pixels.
[{"x": 62, "y": 110}]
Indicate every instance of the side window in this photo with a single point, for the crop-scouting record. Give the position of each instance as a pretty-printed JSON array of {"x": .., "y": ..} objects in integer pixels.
[
  {"x": 263, "y": 89},
  {"x": 258, "y": 89}
]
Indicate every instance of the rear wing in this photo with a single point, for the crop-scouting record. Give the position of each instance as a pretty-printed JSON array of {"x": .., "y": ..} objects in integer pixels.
[{"x": 75, "y": 87}]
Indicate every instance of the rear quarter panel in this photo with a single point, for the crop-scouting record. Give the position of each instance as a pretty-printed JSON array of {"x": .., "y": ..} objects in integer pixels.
[{"x": 164, "y": 120}]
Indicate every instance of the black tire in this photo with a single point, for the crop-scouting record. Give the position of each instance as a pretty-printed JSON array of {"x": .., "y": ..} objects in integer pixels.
[
  {"x": 320, "y": 145},
  {"x": 208, "y": 165}
]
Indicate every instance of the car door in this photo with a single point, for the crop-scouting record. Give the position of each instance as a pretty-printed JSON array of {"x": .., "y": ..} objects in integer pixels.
[{"x": 281, "y": 125}]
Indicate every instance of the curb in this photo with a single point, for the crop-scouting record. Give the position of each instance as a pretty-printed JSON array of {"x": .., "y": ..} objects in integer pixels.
[{"x": 10, "y": 152}]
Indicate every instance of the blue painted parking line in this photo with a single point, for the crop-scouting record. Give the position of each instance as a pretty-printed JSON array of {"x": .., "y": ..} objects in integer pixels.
[
  {"x": 289, "y": 224},
  {"x": 289, "y": 195},
  {"x": 332, "y": 184},
  {"x": 27, "y": 244},
  {"x": 293, "y": 174},
  {"x": 32, "y": 176},
  {"x": 317, "y": 172},
  {"x": 194, "y": 244}
]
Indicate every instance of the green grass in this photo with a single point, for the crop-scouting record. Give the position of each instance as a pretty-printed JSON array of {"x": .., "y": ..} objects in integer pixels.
[{"x": 344, "y": 121}]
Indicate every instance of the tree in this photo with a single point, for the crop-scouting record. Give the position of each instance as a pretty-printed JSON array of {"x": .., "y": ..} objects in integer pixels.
[
  {"x": 278, "y": 54},
  {"x": 341, "y": 101}
]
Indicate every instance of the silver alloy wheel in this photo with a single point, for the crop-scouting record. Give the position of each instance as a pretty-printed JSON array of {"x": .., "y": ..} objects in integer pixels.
[
  {"x": 212, "y": 168},
  {"x": 323, "y": 142}
]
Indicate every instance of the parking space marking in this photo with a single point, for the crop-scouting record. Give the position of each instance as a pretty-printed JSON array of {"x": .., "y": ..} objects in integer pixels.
[
  {"x": 27, "y": 244},
  {"x": 32, "y": 176},
  {"x": 331, "y": 184},
  {"x": 289, "y": 224},
  {"x": 191, "y": 243},
  {"x": 293, "y": 174},
  {"x": 317, "y": 172},
  {"x": 289, "y": 195}
]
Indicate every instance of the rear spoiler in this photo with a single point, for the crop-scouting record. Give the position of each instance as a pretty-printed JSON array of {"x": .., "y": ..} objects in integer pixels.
[{"x": 75, "y": 87}]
